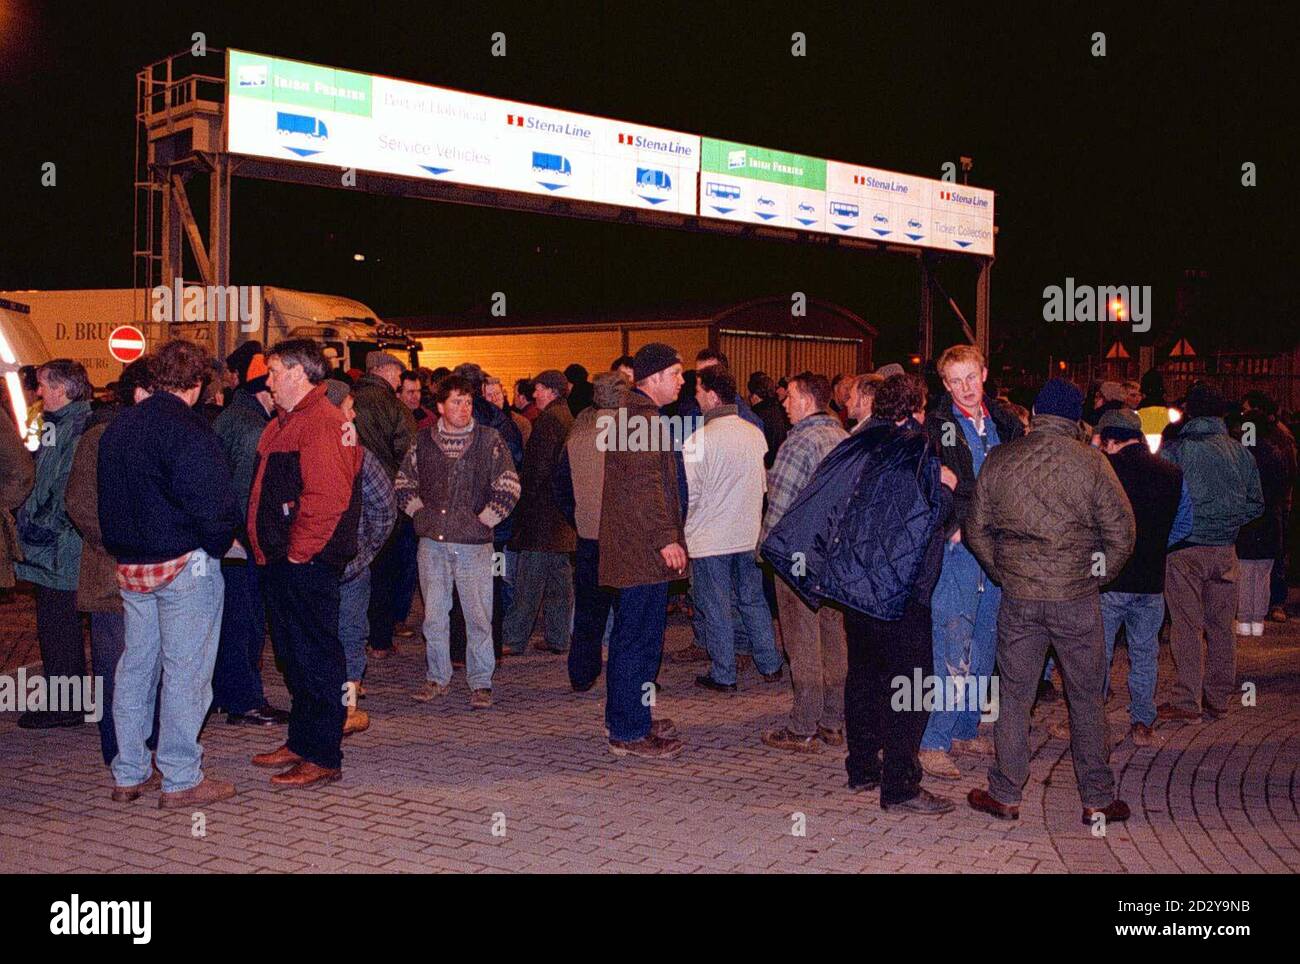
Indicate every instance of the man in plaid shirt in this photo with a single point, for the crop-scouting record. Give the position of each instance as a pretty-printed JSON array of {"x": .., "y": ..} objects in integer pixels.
[{"x": 814, "y": 641}]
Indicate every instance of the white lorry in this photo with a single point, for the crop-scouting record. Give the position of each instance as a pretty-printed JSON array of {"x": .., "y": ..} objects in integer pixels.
[{"x": 77, "y": 324}]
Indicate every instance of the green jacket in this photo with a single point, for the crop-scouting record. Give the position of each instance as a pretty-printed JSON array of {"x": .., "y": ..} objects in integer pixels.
[
  {"x": 384, "y": 425},
  {"x": 240, "y": 427},
  {"x": 1221, "y": 478},
  {"x": 1049, "y": 519},
  {"x": 51, "y": 544}
]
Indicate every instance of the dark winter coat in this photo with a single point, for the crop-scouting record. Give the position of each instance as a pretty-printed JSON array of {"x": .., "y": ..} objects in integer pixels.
[
  {"x": 641, "y": 511},
  {"x": 51, "y": 544},
  {"x": 384, "y": 424},
  {"x": 942, "y": 426},
  {"x": 164, "y": 484},
  {"x": 540, "y": 525},
  {"x": 1049, "y": 519},
  {"x": 864, "y": 530}
]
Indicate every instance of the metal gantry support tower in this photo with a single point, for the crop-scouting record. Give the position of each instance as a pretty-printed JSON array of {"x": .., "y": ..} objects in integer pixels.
[{"x": 180, "y": 118}]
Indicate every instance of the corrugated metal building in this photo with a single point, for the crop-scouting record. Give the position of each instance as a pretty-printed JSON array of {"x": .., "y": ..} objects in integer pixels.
[{"x": 755, "y": 335}]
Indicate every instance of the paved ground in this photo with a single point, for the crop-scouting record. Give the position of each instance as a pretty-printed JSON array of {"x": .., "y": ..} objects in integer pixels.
[{"x": 426, "y": 787}]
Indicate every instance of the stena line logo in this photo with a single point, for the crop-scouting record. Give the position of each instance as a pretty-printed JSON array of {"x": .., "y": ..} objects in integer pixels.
[
  {"x": 970, "y": 200},
  {"x": 74, "y": 917}
]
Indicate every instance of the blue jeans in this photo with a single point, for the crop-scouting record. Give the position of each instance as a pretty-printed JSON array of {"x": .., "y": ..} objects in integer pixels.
[
  {"x": 635, "y": 651},
  {"x": 354, "y": 601},
  {"x": 1141, "y": 615},
  {"x": 965, "y": 612},
  {"x": 175, "y": 631},
  {"x": 468, "y": 568},
  {"x": 237, "y": 678},
  {"x": 724, "y": 586},
  {"x": 592, "y": 606},
  {"x": 107, "y": 641}
]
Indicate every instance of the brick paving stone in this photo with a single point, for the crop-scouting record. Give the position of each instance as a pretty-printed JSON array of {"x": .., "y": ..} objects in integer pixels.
[{"x": 422, "y": 785}]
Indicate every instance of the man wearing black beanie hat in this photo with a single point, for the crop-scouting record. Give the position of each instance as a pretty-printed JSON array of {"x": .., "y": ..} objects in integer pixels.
[{"x": 641, "y": 549}]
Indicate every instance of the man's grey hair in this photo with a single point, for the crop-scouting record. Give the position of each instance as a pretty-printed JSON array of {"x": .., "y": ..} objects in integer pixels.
[
  {"x": 608, "y": 390},
  {"x": 70, "y": 376},
  {"x": 306, "y": 353}
]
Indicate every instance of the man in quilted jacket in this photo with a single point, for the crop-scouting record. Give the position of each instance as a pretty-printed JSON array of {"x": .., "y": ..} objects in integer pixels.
[{"x": 1050, "y": 523}]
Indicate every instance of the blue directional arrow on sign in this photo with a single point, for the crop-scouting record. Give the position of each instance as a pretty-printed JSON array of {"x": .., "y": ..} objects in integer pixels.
[
  {"x": 551, "y": 187},
  {"x": 962, "y": 244},
  {"x": 652, "y": 200},
  {"x": 302, "y": 151},
  {"x": 435, "y": 170},
  {"x": 806, "y": 220},
  {"x": 722, "y": 210},
  {"x": 880, "y": 232},
  {"x": 916, "y": 237}
]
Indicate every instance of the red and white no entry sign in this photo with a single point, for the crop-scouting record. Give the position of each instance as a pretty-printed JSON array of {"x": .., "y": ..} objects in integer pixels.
[{"x": 126, "y": 343}]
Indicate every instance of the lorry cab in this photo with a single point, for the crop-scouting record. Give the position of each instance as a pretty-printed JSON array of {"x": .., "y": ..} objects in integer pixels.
[{"x": 346, "y": 325}]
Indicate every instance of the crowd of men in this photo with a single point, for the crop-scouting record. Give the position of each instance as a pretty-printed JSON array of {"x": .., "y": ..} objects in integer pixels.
[{"x": 863, "y": 530}]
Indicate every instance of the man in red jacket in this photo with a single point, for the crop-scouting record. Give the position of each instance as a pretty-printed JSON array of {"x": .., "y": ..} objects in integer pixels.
[{"x": 302, "y": 523}]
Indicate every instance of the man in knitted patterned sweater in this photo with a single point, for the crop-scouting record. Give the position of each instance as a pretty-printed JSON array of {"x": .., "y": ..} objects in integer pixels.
[{"x": 457, "y": 481}]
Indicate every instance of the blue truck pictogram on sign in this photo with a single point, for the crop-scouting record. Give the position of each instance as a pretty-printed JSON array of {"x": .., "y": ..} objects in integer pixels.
[
  {"x": 551, "y": 163},
  {"x": 286, "y": 123}
]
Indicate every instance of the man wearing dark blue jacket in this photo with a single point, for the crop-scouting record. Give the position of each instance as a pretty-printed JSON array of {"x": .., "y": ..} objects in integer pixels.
[
  {"x": 167, "y": 512},
  {"x": 894, "y": 475}
]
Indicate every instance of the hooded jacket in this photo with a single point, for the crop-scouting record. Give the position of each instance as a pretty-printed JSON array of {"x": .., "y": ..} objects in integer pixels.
[
  {"x": 50, "y": 542},
  {"x": 1221, "y": 477}
]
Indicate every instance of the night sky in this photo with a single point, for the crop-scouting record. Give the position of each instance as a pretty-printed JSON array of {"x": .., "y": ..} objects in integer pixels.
[{"x": 1117, "y": 170}]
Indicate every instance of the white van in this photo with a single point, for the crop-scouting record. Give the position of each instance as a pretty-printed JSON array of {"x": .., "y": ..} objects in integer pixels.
[{"x": 20, "y": 344}]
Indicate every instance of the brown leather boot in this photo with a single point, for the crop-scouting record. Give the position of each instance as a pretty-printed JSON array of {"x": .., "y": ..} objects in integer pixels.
[
  {"x": 305, "y": 774},
  {"x": 357, "y": 721},
  {"x": 282, "y": 757},
  {"x": 127, "y": 794},
  {"x": 983, "y": 801},
  {"x": 208, "y": 791}
]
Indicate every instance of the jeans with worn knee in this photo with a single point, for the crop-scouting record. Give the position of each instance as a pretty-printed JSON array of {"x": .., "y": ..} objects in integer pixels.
[{"x": 964, "y": 607}]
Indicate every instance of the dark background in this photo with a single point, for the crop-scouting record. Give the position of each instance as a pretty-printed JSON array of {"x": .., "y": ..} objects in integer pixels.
[{"x": 1117, "y": 170}]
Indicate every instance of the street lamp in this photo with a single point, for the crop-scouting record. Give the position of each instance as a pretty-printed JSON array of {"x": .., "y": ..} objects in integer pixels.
[{"x": 1118, "y": 311}]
